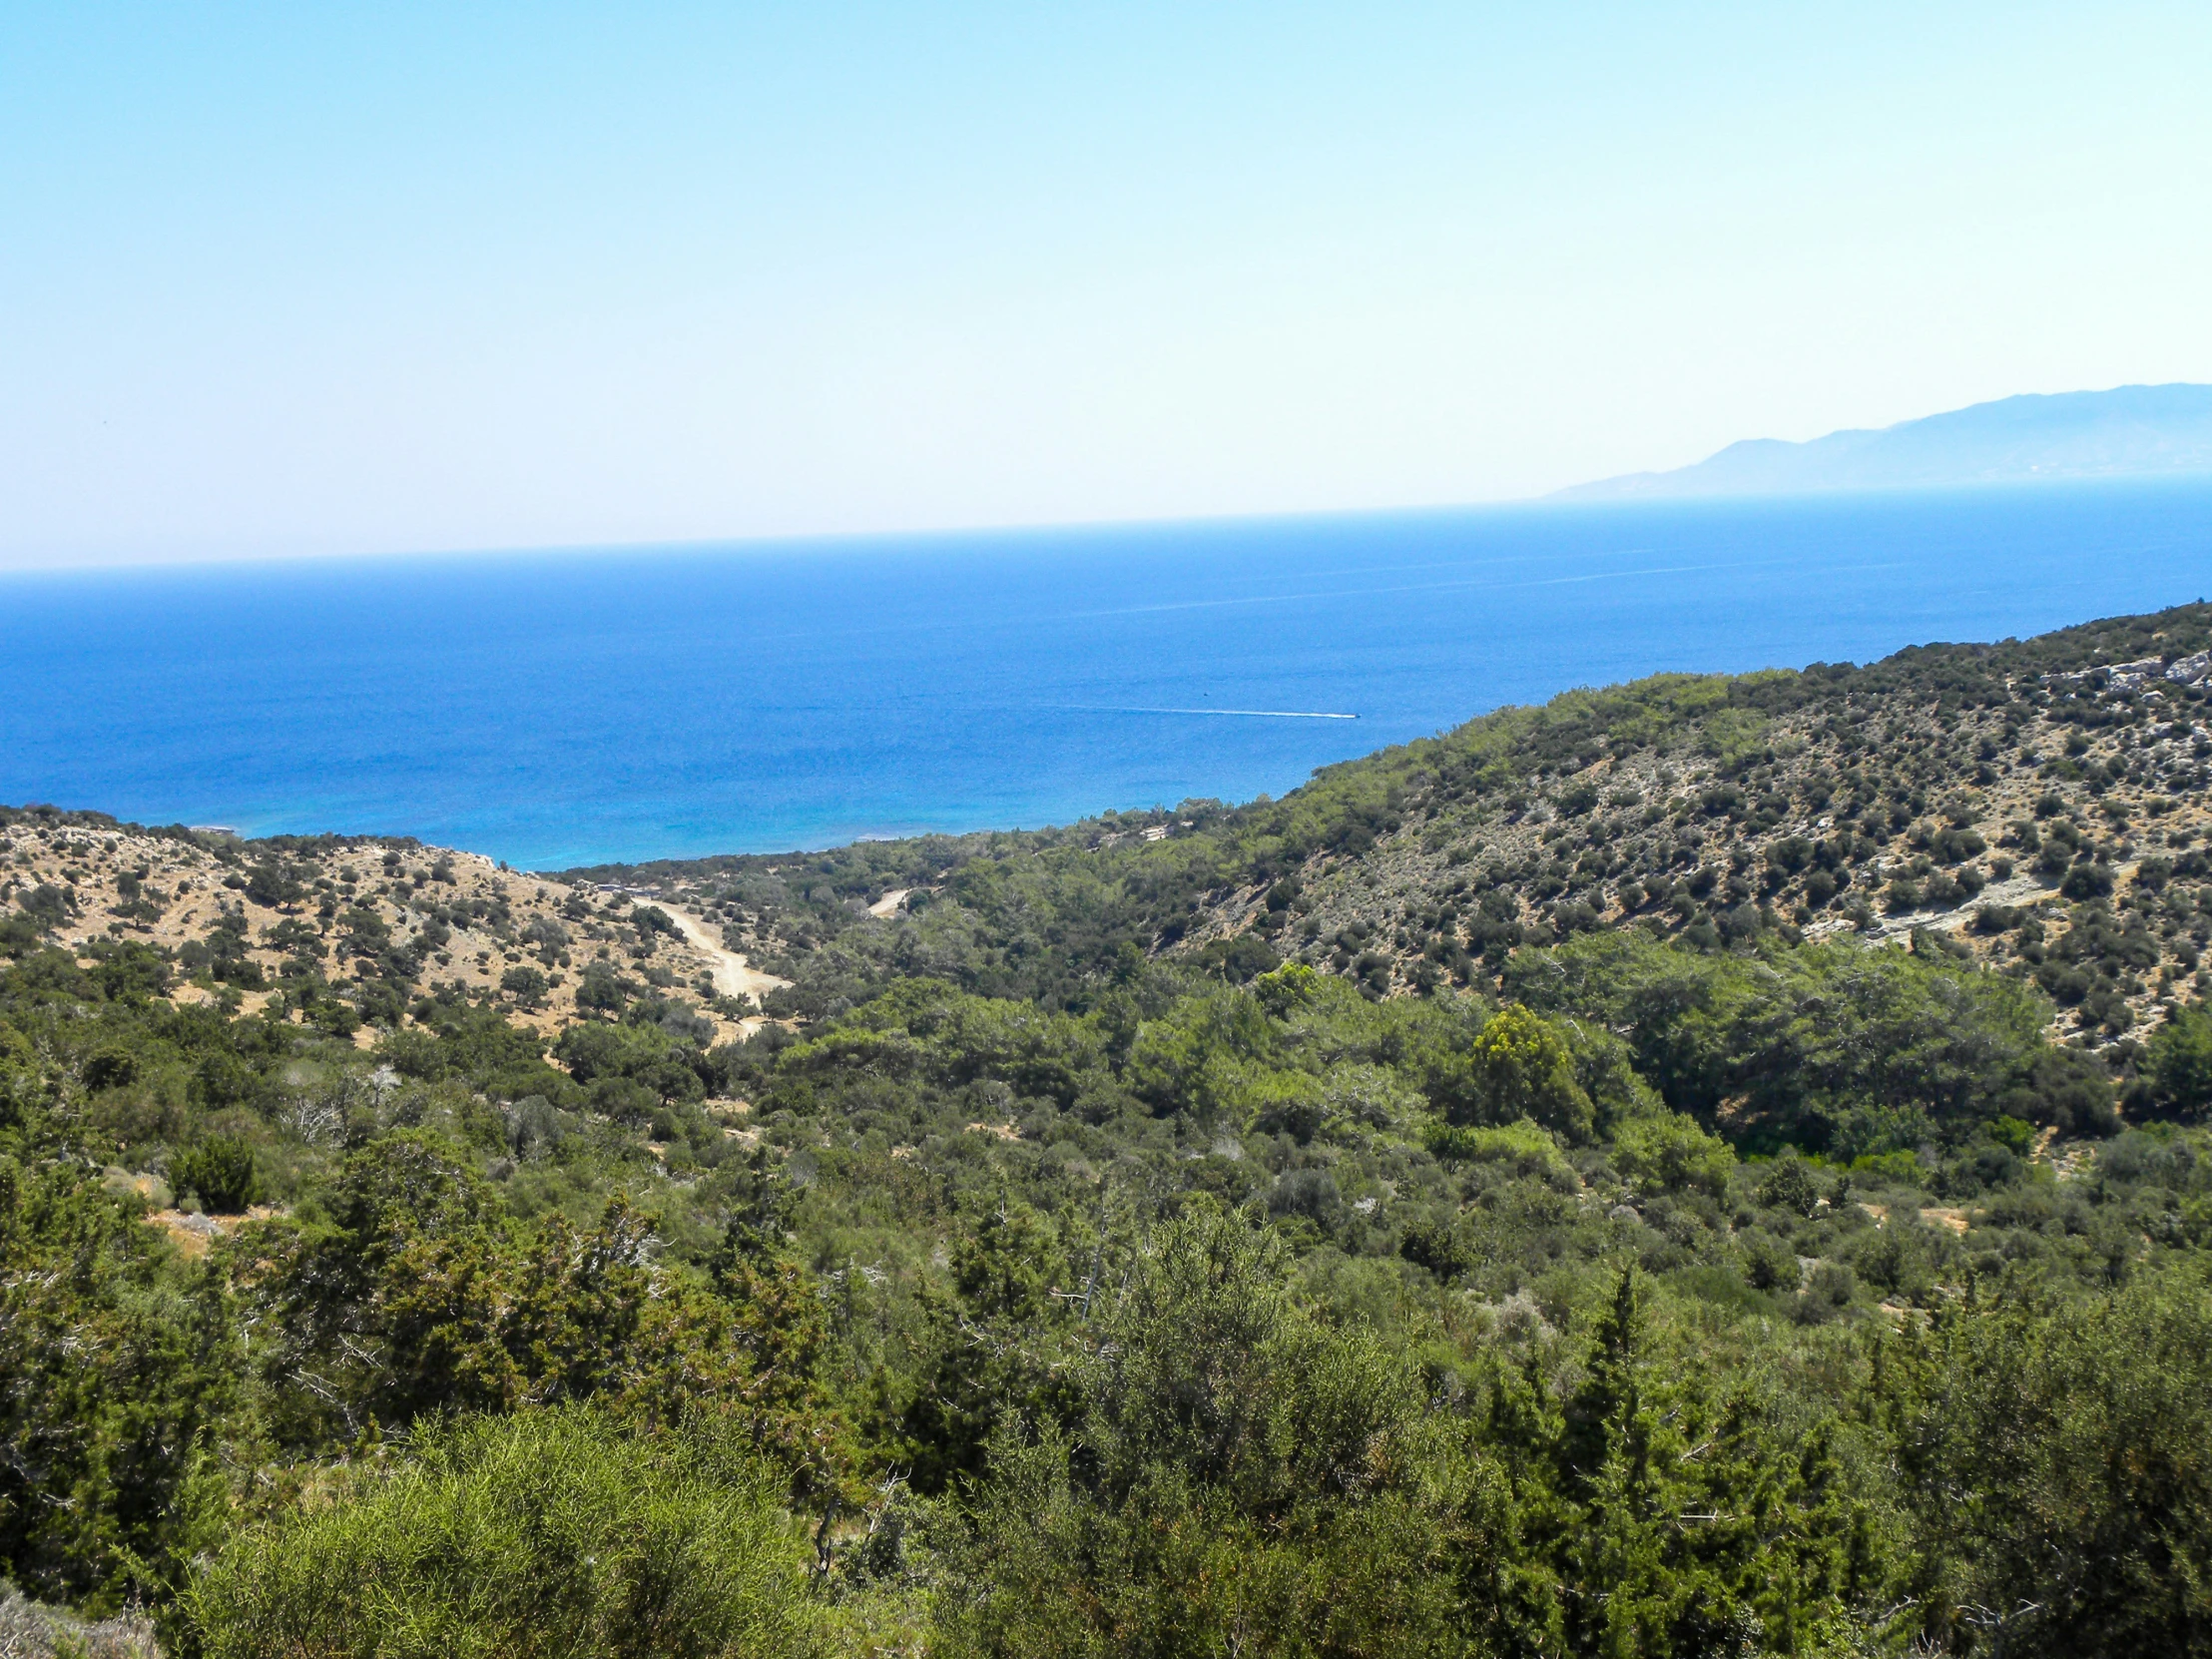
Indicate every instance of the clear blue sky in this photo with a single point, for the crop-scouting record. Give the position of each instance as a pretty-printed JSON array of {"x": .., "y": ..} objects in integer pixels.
[{"x": 321, "y": 277}]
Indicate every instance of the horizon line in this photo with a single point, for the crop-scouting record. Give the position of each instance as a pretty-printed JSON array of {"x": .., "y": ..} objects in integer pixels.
[{"x": 1561, "y": 500}]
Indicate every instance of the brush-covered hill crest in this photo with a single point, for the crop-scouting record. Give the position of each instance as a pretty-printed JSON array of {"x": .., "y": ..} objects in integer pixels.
[{"x": 2039, "y": 803}]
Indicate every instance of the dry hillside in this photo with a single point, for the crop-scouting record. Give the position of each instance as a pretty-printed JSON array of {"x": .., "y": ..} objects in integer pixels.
[
  {"x": 316, "y": 925},
  {"x": 1997, "y": 830}
]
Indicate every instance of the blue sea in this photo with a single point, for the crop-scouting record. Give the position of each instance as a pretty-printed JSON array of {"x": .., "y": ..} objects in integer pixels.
[{"x": 563, "y": 707}]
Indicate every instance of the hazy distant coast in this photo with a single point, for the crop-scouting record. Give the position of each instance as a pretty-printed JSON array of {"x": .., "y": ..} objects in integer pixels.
[{"x": 2130, "y": 431}]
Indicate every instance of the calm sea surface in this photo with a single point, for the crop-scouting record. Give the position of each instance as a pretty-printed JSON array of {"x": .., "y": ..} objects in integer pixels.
[{"x": 567, "y": 708}]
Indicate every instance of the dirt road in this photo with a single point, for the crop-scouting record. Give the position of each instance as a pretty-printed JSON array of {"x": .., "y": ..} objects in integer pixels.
[{"x": 733, "y": 974}]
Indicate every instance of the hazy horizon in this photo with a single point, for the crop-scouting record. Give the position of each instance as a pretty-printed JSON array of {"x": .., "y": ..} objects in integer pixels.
[{"x": 965, "y": 540}]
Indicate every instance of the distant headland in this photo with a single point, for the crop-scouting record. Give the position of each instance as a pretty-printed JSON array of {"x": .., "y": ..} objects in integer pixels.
[{"x": 2128, "y": 431}]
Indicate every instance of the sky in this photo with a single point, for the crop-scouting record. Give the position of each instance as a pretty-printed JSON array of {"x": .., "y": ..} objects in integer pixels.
[{"x": 360, "y": 277}]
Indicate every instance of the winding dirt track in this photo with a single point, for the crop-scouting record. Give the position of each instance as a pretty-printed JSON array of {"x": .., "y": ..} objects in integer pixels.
[{"x": 734, "y": 976}]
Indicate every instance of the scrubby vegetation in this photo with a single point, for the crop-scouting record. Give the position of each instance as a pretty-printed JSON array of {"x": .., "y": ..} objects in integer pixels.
[
  {"x": 340, "y": 931},
  {"x": 550, "y": 1531},
  {"x": 1085, "y": 1254},
  {"x": 2037, "y": 805}
]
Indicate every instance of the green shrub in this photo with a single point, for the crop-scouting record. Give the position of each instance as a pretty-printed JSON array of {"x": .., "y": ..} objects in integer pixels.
[
  {"x": 1789, "y": 1186},
  {"x": 1242, "y": 1480},
  {"x": 220, "y": 1172},
  {"x": 117, "y": 1380},
  {"x": 550, "y": 1532},
  {"x": 2058, "y": 1471},
  {"x": 1526, "y": 1147},
  {"x": 1672, "y": 1154},
  {"x": 1895, "y": 1169},
  {"x": 1769, "y": 1263}
]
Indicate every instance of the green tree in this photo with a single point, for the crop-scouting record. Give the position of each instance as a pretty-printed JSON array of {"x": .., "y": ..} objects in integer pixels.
[
  {"x": 413, "y": 1296},
  {"x": 1523, "y": 1068},
  {"x": 1789, "y": 1186},
  {"x": 2057, "y": 1462},
  {"x": 1661, "y": 1513},
  {"x": 119, "y": 1372},
  {"x": 1241, "y": 1479},
  {"x": 2181, "y": 1061},
  {"x": 526, "y": 984},
  {"x": 1672, "y": 1154}
]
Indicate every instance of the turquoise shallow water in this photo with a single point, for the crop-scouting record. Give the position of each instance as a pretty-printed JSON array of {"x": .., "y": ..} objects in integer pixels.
[{"x": 563, "y": 707}]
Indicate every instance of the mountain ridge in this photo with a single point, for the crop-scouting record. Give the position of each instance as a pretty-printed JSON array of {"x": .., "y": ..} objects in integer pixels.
[{"x": 2124, "y": 432}]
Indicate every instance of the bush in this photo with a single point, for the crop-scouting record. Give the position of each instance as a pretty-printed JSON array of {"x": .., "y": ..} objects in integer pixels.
[
  {"x": 116, "y": 1388},
  {"x": 1789, "y": 1186},
  {"x": 1895, "y": 1169},
  {"x": 1672, "y": 1154},
  {"x": 1525, "y": 1147},
  {"x": 35, "y": 1632},
  {"x": 526, "y": 985},
  {"x": 2058, "y": 1471},
  {"x": 1246, "y": 1481},
  {"x": 550, "y": 1532},
  {"x": 2086, "y": 882},
  {"x": 220, "y": 1171},
  {"x": 1769, "y": 1263}
]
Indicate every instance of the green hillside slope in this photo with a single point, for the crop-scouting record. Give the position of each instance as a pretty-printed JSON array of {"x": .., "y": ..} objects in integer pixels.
[
  {"x": 2038, "y": 805},
  {"x": 1716, "y": 1165}
]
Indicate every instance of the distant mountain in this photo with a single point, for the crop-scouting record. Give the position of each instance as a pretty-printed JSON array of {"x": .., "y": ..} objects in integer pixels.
[{"x": 2076, "y": 434}]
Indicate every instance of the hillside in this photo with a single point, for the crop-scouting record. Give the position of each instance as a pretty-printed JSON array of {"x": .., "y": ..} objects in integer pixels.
[
  {"x": 2038, "y": 806},
  {"x": 2127, "y": 431},
  {"x": 1718, "y": 1164},
  {"x": 341, "y": 930},
  {"x": 1954, "y": 791}
]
